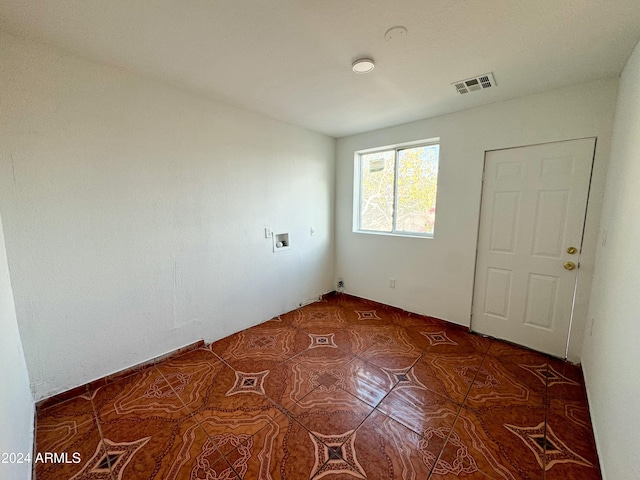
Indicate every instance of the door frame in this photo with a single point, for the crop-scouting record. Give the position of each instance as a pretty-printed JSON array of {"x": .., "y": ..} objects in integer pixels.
[{"x": 580, "y": 252}]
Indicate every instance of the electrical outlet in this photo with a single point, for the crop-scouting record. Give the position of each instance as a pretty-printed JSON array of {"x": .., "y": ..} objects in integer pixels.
[
  {"x": 392, "y": 283},
  {"x": 312, "y": 231},
  {"x": 267, "y": 232}
]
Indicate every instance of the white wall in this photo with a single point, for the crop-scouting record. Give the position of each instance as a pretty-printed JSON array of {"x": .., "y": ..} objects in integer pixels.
[
  {"x": 16, "y": 402},
  {"x": 612, "y": 348},
  {"x": 435, "y": 277},
  {"x": 135, "y": 214}
]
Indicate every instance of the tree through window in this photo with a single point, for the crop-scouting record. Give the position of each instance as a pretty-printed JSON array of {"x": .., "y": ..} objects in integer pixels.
[{"x": 396, "y": 190}]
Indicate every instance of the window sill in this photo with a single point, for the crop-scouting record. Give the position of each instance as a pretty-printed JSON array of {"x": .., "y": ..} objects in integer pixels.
[{"x": 393, "y": 234}]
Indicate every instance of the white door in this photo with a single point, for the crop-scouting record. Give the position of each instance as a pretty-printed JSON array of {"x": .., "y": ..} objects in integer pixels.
[{"x": 532, "y": 217}]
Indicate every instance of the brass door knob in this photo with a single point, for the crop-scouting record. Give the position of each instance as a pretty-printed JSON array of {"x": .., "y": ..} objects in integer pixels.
[
  {"x": 572, "y": 250},
  {"x": 569, "y": 265}
]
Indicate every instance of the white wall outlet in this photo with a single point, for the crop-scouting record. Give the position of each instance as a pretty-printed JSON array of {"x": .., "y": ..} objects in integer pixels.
[
  {"x": 392, "y": 283},
  {"x": 267, "y": 232},
  {"x": 312, "y": 231}
]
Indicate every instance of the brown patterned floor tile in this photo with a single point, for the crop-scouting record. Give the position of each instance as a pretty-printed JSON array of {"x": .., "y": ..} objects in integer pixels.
[
  {"x": 64, "y": 396},
  {"x": 362, "y": 337},
  {"x": 467, "y": 452},
  {"x": 318, "y": 340},
  {"x": 152, "y": 449},
  {"x": 419, "y": 409},
  {"x": 277, "y": 343},
  {"x": 303, "y": 374},
  {"x": 565, "y": 380},
  {"x": 336, "y": 457},
  {"x": 475, "y": 475},
  {"x": 367, "y": 314},
  {"x": 283, "y": 449},
  {"x": 221, "y": 348},
  {"x": 348, "y": 301},
  {"x": 454, "y": 339},
  {"x": 395, "y": 350},
  {"x": 449, "y": 375},
  {"x": 386, "y": 450},
  {"x": 327, "y": 472},
  {"x": 75, "y": 436},
  {"x": 502, "y": 442},
  {"x": 390, "y": 334},
  {"x": 515, "y": 354},
  {"x": 366, "y": 381},
  {"x": 75, "y": 411},
  {"x": 235, "y": 390},
  {"x": 570, "y": 447},
  {"x": 190, "y": 375},
  {"x": 530, "y": 374},
  {"x": 144, "y": 394},
  {"x": 329, "y": 410},
  {"x": 415, "y": 320},
  {"x": 294, "y": 398},
  {"x": 231, "y": 429},
  {"x": 418, "y": 339},
  {"x": 505, "y": 384},
  {"x": 572, "y": 472},
  {"x": 319, "y": 315},
  {"x": 265, "y": 377},
  {"x": 285, "y": 319},
  {"x": 199, "y": 356}
]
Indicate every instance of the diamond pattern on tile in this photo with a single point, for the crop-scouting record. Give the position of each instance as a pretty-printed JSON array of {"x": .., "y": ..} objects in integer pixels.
[
  {"x": 438, "y": 338},
  {"x": 403, "y": 378},
  {"x": 342, "y": 388},
  {"x": 248, "y": 383},
  {"x": 548, "y": 374},
  {"x": 544, "y": 443},
  {"x": 114, "y": 457},
  {"x": 322, "y": 340},
  {"x": 335, "y": 454},
  {"x": 367, "y": 315}
]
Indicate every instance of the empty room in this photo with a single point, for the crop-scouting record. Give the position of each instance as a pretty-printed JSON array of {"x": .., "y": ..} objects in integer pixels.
[{"x": 300, "y": 240}]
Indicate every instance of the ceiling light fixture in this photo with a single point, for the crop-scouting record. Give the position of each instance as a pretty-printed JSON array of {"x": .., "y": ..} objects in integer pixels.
[{"x": 363, "y": 65}]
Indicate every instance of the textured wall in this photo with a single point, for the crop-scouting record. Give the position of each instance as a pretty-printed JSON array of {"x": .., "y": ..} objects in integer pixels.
[
  {"x": 435, "y": 277},
  {"x": 612, "y": 346},
  {"x": 135, "y": 214}
]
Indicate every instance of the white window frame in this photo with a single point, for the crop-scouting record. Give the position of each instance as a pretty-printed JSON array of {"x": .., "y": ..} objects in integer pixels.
[{"x": 357, "y": 187}]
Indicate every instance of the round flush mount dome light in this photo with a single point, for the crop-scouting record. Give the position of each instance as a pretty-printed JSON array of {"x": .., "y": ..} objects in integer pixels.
[{"x": 363, "y": 65}]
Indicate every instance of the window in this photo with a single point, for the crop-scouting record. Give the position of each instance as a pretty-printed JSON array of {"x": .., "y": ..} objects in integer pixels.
[{"x": 395, "y": 189}]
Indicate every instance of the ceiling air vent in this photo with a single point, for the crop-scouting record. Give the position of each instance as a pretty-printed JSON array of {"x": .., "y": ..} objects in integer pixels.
[{"x": 475, "y": 83}]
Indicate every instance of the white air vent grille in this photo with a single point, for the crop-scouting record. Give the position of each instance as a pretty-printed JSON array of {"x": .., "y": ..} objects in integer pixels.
[{"x": 474, "y": 84}]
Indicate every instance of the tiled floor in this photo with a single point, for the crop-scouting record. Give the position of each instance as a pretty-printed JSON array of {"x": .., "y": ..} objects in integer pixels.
[{"x": 343, "y": 388}]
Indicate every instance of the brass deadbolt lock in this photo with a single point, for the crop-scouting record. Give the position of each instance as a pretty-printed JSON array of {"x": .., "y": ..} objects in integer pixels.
[{"x": 572, "y": 250}]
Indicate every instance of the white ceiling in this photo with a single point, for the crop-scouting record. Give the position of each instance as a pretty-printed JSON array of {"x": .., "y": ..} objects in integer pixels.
[{"x": 291, "y": 59}]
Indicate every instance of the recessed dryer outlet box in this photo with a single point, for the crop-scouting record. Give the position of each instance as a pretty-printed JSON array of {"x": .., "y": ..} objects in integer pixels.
[{"x": 281, "y": 242}]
